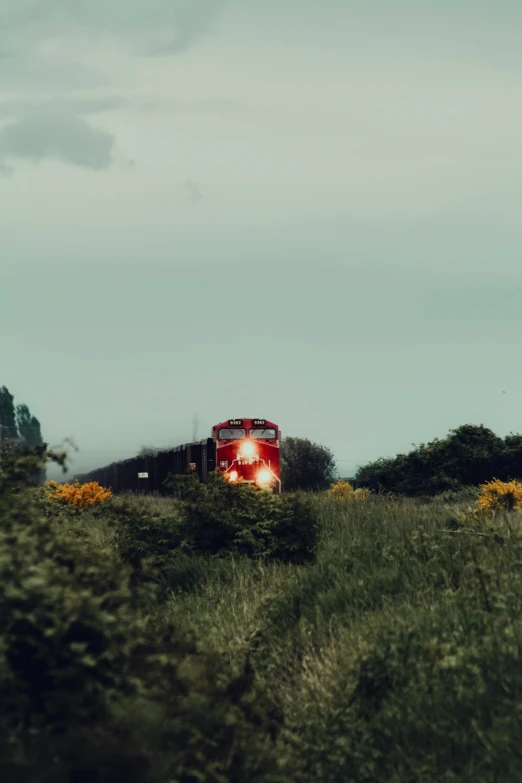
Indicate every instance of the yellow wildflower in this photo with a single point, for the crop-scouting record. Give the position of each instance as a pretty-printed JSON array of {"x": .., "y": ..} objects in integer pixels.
[
  {"x": 343, "y": 490},
  {"x": 81, "y": 495},
  {"x": 498, "y": 494}
]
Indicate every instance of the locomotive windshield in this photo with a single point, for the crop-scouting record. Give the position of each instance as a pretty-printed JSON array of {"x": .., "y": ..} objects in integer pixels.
[
  {"x": 267, "y": 433},
  {"x": 228, "y": 433}
]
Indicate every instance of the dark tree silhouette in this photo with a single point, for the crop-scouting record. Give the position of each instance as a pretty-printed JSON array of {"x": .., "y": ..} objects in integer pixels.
[
  {"x": 8, "y": 429},
  {"x": 306, "y": 465},
  {"x": 470, "y": 455},
  {"x": 28, "y": 426}
]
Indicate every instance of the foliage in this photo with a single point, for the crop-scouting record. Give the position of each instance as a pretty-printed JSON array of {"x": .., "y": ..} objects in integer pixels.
[
  {"x": 305, "y": 465},
  {"x": 78, "y": 495},
  {"x": 17, "y": 459},
  {"x": 470, "y": 455},
  {"x": 218, "y": 518},
  {"x": 422, "y": 697},
  {"x": 143, "y": 536},
  {"x": 90, "y": 690},
  {"x": 221, "y": 516},
  {"x": 20, "y": 430},
  {"x": 28, "y": 426},
  {"x": 343, "y": 490},
  {"x": 18, "y": 423},
  {"x": 395, "y": 655},
  {"x": 455, "y": 496},
  {"x": 8, "y": 429},
  {"x": 501, "y": 495}
]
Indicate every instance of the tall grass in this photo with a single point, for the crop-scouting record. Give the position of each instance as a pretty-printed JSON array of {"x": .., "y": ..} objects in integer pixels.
[{"x": 395, "y": 655}]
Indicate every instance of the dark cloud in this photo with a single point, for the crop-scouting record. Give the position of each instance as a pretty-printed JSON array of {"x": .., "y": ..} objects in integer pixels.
[{"x": 59, "y": 135}]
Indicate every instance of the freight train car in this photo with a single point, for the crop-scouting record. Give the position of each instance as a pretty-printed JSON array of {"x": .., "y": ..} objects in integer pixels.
[{"x": 245, "y": 450}]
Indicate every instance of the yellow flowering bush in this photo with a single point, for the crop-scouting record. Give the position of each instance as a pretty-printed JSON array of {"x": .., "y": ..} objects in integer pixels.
[
  {"x": 498, "y": 494},
  {"x": 78, "y": 495},
  {"x": 343, "y": 490}
]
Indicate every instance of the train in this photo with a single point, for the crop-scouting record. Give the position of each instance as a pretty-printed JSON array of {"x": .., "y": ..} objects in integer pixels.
[{"x": 246, "y": 451}]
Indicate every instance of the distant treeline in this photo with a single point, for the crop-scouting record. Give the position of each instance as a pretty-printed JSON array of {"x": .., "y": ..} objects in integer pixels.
[
  {"x": 19, "y": 429},
  {"x": 470, "y": 455},
  {"x": 16, "y": 422}
]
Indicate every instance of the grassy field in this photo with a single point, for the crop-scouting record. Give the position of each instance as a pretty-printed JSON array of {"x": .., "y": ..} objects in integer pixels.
[{"x": 394, "y": 656}]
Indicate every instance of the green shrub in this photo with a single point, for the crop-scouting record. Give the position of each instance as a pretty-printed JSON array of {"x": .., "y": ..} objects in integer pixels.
[
  {"x": 142, "y": 536},
  {"x": 89, "y": 690},
  {"x": 224, "y": 517},
  {"x": 215, "y": 519},
  {"x": 470, "y": 455}
]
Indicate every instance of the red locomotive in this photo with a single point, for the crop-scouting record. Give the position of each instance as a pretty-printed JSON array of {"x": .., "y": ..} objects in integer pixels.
[{"x": 247, "y": 451}]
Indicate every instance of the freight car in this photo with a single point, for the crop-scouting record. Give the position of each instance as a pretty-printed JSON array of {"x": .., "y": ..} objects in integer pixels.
[{"x": 245, "y": 450}]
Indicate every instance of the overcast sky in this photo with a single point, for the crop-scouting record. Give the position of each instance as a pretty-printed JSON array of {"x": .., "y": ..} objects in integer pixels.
[{"x": 304, "y": 211}]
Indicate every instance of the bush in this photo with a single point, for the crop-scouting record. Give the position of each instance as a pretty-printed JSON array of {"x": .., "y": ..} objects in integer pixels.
[
  {"x": 470, "y": 455},
  {"x": 78, "y": 495},
  {"x": 219, "y": 518},
  {"x": 224, "y": 517},
  {"x": 144, "y": 536},
  {"x": 343, "y": 490},
  {"x": 89, "y": 689},
  {"x": 497, "y": 494}
]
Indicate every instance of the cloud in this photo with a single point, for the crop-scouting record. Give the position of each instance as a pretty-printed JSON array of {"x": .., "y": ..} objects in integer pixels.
[
  {"x": 185, "y": 24},
  {"x": 158, "y": 26},
  {"x": 15, "y": 108},
  {"x": 62, "y": 135}
]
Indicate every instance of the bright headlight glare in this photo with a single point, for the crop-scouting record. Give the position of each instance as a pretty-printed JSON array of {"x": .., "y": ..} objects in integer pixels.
[
  {"x": 247, "y": 449},
  {"x": 232, "y": 475},
  {"x": 264, "y": 476}
]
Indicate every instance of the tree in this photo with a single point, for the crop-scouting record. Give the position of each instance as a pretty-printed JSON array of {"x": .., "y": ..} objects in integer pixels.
[
  {"x": 8, "y": 428},
  {"x": 31, "y": 435},
  {"x": 512, "y": 457},
  {"x": 468, "y": 456},
  {"x": 28, "y": 426},
  {"x": 306, "y": 465}
]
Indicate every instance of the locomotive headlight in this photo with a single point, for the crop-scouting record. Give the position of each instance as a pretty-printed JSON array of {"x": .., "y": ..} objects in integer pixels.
[
  {"x": 264, "y": 476},
  {"x": 247, "y": 449},
  {"x": 232, "y": 475}
]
